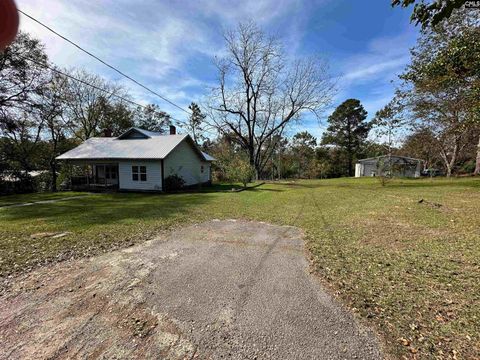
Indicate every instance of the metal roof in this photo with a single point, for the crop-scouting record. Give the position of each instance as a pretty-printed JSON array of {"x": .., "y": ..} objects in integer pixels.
[
  {"x": 386, "y": 156},
  {"x": 144, "y": 133},
  {"x": 208, "y": 157},
  {"x": 155, "y": 146}
]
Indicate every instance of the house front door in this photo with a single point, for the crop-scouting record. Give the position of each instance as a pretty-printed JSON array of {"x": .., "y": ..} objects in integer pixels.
[
  {"x": 111, "y": 174},
  {"x": 106, "y": 174}
]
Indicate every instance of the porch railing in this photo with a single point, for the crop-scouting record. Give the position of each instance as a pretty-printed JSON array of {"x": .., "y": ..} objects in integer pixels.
[{"x": 90, "y": 183}]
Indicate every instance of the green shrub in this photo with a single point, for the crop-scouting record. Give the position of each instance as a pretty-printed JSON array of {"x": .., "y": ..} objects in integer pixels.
[
  {"x": 43, "y": 182},
  {"x": 174, "y": 182},
  {"x": 468, "y": 167},
  {"x": 17, "y": 182},
  {"x": 240, "y": 170}
]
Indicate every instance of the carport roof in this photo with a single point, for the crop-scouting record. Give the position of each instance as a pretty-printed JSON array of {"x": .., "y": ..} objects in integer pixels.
[{"x": 386, "y": 156}]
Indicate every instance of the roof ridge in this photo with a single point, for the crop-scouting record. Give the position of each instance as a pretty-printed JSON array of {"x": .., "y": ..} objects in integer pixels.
[
  {"x": 152, "y": 147},
  {"x": 393, "y": 155}
]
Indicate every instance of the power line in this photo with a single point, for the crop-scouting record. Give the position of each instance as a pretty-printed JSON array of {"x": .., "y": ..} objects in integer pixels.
[
  {"x": 104, "y": 62},
  {"x": 111, "y": 93}
]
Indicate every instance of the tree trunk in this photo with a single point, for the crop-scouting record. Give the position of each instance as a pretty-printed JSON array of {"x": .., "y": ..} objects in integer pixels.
[
  {"x": 449, "y": 170},
  {"x": 350, "y": 164},
  {"x": 453, "y": 160},
  {"x": 53, "y": 169},
  {"x": 257, "y": 167},
  {"x": 449, "y": 164},
  {"x": 253, "y": 162},
  {"x": 53, "y": 161},
  {"x": 477, "y": 163}
]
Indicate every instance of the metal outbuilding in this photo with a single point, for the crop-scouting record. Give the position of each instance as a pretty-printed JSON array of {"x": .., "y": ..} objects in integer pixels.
[{"x": 389, "y": 165}]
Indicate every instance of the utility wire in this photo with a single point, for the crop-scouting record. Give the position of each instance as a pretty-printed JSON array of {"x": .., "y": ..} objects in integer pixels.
[
  {"x": 104, "y": 62},
  {"x": 95, "y": 86}
]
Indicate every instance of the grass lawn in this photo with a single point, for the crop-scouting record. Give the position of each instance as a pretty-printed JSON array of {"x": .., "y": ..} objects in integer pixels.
[
  {"x": 410, "y": 269},
  {"x": 23, "y": 198}
]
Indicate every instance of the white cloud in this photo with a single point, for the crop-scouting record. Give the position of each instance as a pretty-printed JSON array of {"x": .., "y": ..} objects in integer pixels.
[
  {"x": 154, "y": 42},
  {"x": 168, "y": 45},
  {"x": 261, "y": 11},
  {"x": 369, "y": 72},
  {"x": 384, "y": 58},
  {"x": 369, "y": 75}
]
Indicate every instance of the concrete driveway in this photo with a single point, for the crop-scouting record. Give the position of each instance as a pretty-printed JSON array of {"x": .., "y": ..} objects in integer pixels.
[{"x": 222, "y": 289}]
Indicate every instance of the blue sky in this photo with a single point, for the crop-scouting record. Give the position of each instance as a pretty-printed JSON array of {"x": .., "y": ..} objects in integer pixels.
[{"x": 170, "y": 45}]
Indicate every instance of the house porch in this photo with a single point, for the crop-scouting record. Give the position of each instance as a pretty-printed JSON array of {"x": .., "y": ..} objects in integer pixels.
[{"x": 95, "y": 177}]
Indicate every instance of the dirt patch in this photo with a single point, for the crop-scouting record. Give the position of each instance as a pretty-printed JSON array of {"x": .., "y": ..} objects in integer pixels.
[
  {"x": 55, "y": 235},
  {"x": 385, "y": 230},
  {"x": 222, "y": 289}
]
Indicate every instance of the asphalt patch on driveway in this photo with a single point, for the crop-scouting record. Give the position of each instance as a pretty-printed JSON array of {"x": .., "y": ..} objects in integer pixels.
[{"x": 221, "y": 289}]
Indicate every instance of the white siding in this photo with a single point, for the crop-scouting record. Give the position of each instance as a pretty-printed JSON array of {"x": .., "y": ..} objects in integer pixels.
[
  {"x": 358, "y": 170},
  {"x": 370, "y": 169},
  {"x": 154, "y": 175},
  {"x": 206, "y": 174},
  {"x": 185, "y": 162},
  {"x": 418, "y": 170}
]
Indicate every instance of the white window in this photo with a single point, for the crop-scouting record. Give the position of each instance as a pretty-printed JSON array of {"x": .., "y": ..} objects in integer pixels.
[{"x": 139, "y": 173}]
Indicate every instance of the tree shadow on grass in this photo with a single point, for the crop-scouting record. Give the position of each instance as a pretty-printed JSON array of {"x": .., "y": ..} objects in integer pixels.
[
  {"x": 300, "y": 184},
  {"x": 229, "y": 188},
  {"x": 249, "y": 189},
  {"x": 427, "y": 183},
  {"x": 112, "y": 208},
  {"x": 374, "y": 183},
  {"x": 215, "y": 188},
  {"x": 220, "y": 188},
  {"x": 109, "y": 209}
]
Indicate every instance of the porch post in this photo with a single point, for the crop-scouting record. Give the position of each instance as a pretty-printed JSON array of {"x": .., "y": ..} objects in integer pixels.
[
  {"x": 88, "y": 176},
  {"x": 163, "y": 175}
]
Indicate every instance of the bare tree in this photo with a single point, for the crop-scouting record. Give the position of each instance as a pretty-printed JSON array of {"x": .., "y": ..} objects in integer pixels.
[
  {"x": 388, "y": 123},
  {"x": 87, "y": 105},
  {"x": 151, "y": 118},
  {"x": 260, "y": 93},
  {"x": 50, "y": 111}
]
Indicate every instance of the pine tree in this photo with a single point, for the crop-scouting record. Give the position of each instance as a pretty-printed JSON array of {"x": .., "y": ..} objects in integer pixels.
[{"x": 348, "y": 130}]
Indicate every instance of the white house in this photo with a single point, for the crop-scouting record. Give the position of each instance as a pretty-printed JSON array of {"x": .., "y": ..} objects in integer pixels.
[{"x": 139, "y": 160}]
